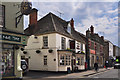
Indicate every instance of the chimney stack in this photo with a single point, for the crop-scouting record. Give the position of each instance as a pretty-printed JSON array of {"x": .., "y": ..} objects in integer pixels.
[
  {"x": 72, "y": 23},
  {"x": 88, "y": 33},
  {"x": 92, "y": 29},
  {"x": 102, "y": 37},
  {"x": 33, "y": 17}
]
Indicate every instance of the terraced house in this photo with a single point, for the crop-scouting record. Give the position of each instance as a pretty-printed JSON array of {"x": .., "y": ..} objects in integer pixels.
[{"x": 54, "y": 44}]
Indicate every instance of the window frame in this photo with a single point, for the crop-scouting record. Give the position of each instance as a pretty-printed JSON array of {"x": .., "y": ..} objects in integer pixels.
[
  {"x": 45, "y": 60},
  {"x": 63, "y": 43},
  {"x": 78, "y": 59},
  {"x": 82, "y": 61},
  {"x": 81, "y": 47},
  {"x": 66, "y": 60},
  {"x": 45, "y": 42},
  {"x": 62, "y": 57}
]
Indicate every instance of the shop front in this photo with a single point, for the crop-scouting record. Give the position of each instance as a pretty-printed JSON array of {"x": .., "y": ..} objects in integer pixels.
[
  {"x": 7, "y": 60},
  {"x": 65, "y": 60},
  {"x": 80, "y": 61},
  {"x": 92, "y": 58},
  {"x": 11, "y": 44},
  {"x": 99, "y": 59}
]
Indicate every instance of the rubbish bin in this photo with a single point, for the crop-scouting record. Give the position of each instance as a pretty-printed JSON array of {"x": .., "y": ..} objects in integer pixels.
[
  {"x": 68, "y": 70},
  {"x": 76, "y": 69}
]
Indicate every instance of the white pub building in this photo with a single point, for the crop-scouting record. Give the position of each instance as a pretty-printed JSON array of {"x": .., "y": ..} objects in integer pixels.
[{"x": 54, "y": 44}]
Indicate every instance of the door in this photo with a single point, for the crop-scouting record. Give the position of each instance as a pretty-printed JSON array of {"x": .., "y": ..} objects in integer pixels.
[{"x": 73, "y": 64}]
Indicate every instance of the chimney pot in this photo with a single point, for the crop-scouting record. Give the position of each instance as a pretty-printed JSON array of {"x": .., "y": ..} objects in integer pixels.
[
  {"x": 92, "y": 29},
  {"x": 72, "y": 23},
  {"x": 88, "y": 33},
  {"x": 102, "y": 37}
]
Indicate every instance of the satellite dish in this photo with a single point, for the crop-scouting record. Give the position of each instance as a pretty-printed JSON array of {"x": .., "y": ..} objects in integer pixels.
[{"x": 26, "y": 7}]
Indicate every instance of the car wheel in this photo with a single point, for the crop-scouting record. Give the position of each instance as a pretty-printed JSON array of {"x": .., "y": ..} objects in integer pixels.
[{"x": 24, "y": 67}]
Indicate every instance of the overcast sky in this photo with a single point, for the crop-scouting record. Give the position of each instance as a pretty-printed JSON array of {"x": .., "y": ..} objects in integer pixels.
[{"x": 102, "y": 15}]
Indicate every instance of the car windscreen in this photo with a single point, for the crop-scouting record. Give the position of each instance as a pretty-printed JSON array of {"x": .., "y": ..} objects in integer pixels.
[{"x": 23, "y": 62}]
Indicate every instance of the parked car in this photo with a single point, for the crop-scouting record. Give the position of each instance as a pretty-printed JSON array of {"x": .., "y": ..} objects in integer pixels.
[
  {"x": 24, "y": 66},
  {"x": 117, "y": 66}
]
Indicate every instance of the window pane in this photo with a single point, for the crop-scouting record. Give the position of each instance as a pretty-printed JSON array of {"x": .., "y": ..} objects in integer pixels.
[
  {"x": 72, "y": 44},
  {"x": 61, "y": 60},
  {"x": 92, "y": 45},
  {"x": 63, "y": 43},
  {"x": 45, "y": 60},
  {"x": 81, "y": 47},
  {"x": 45, "y": 41},
  {"x": 78, "y": 61}
]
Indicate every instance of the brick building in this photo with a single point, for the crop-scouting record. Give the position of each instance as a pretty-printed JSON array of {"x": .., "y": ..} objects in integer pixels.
[{"x": 95, "y": 45}]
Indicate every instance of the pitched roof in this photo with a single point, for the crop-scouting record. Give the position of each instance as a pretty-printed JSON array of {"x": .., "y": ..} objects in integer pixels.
[{"x": 52, "y": 23}]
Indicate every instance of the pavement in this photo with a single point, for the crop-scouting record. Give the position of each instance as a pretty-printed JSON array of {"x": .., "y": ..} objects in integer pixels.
[{"x": 84, "y": 74}]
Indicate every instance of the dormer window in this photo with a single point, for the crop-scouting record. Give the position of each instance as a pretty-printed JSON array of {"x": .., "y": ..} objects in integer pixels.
[{"x": 69, "y": 28}]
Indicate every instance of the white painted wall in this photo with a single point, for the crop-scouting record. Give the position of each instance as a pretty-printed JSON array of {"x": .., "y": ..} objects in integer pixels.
[
  {"x": 110, "y": 49},
  {"x": 36, "y": 60},
  {"x": 10, "y": 15}
]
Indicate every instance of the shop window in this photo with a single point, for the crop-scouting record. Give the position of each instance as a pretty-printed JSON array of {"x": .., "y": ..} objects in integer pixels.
[
  {"x": 78, "y": 61},
  {"x": 45, "y": 60},
  {"x": 7, "y": 63},
  {"x": 45, "y": 41},
  {"x": 63, "y": 43},
  {"x": 82, "y": 61},
  {"x": 2, "y": 15},
  {"x": 62, "y": 60},
  {"x": 67, "y": 59}
]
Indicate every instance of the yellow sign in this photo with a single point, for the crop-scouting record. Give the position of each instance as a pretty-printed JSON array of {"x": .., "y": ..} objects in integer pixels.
[{"x": 76, "y": 61}]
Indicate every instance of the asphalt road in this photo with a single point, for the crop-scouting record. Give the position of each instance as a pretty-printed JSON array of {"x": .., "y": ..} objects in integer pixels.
[
  {"x": 113, "y": 73},
  {"x": 33, "y": 75}
]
